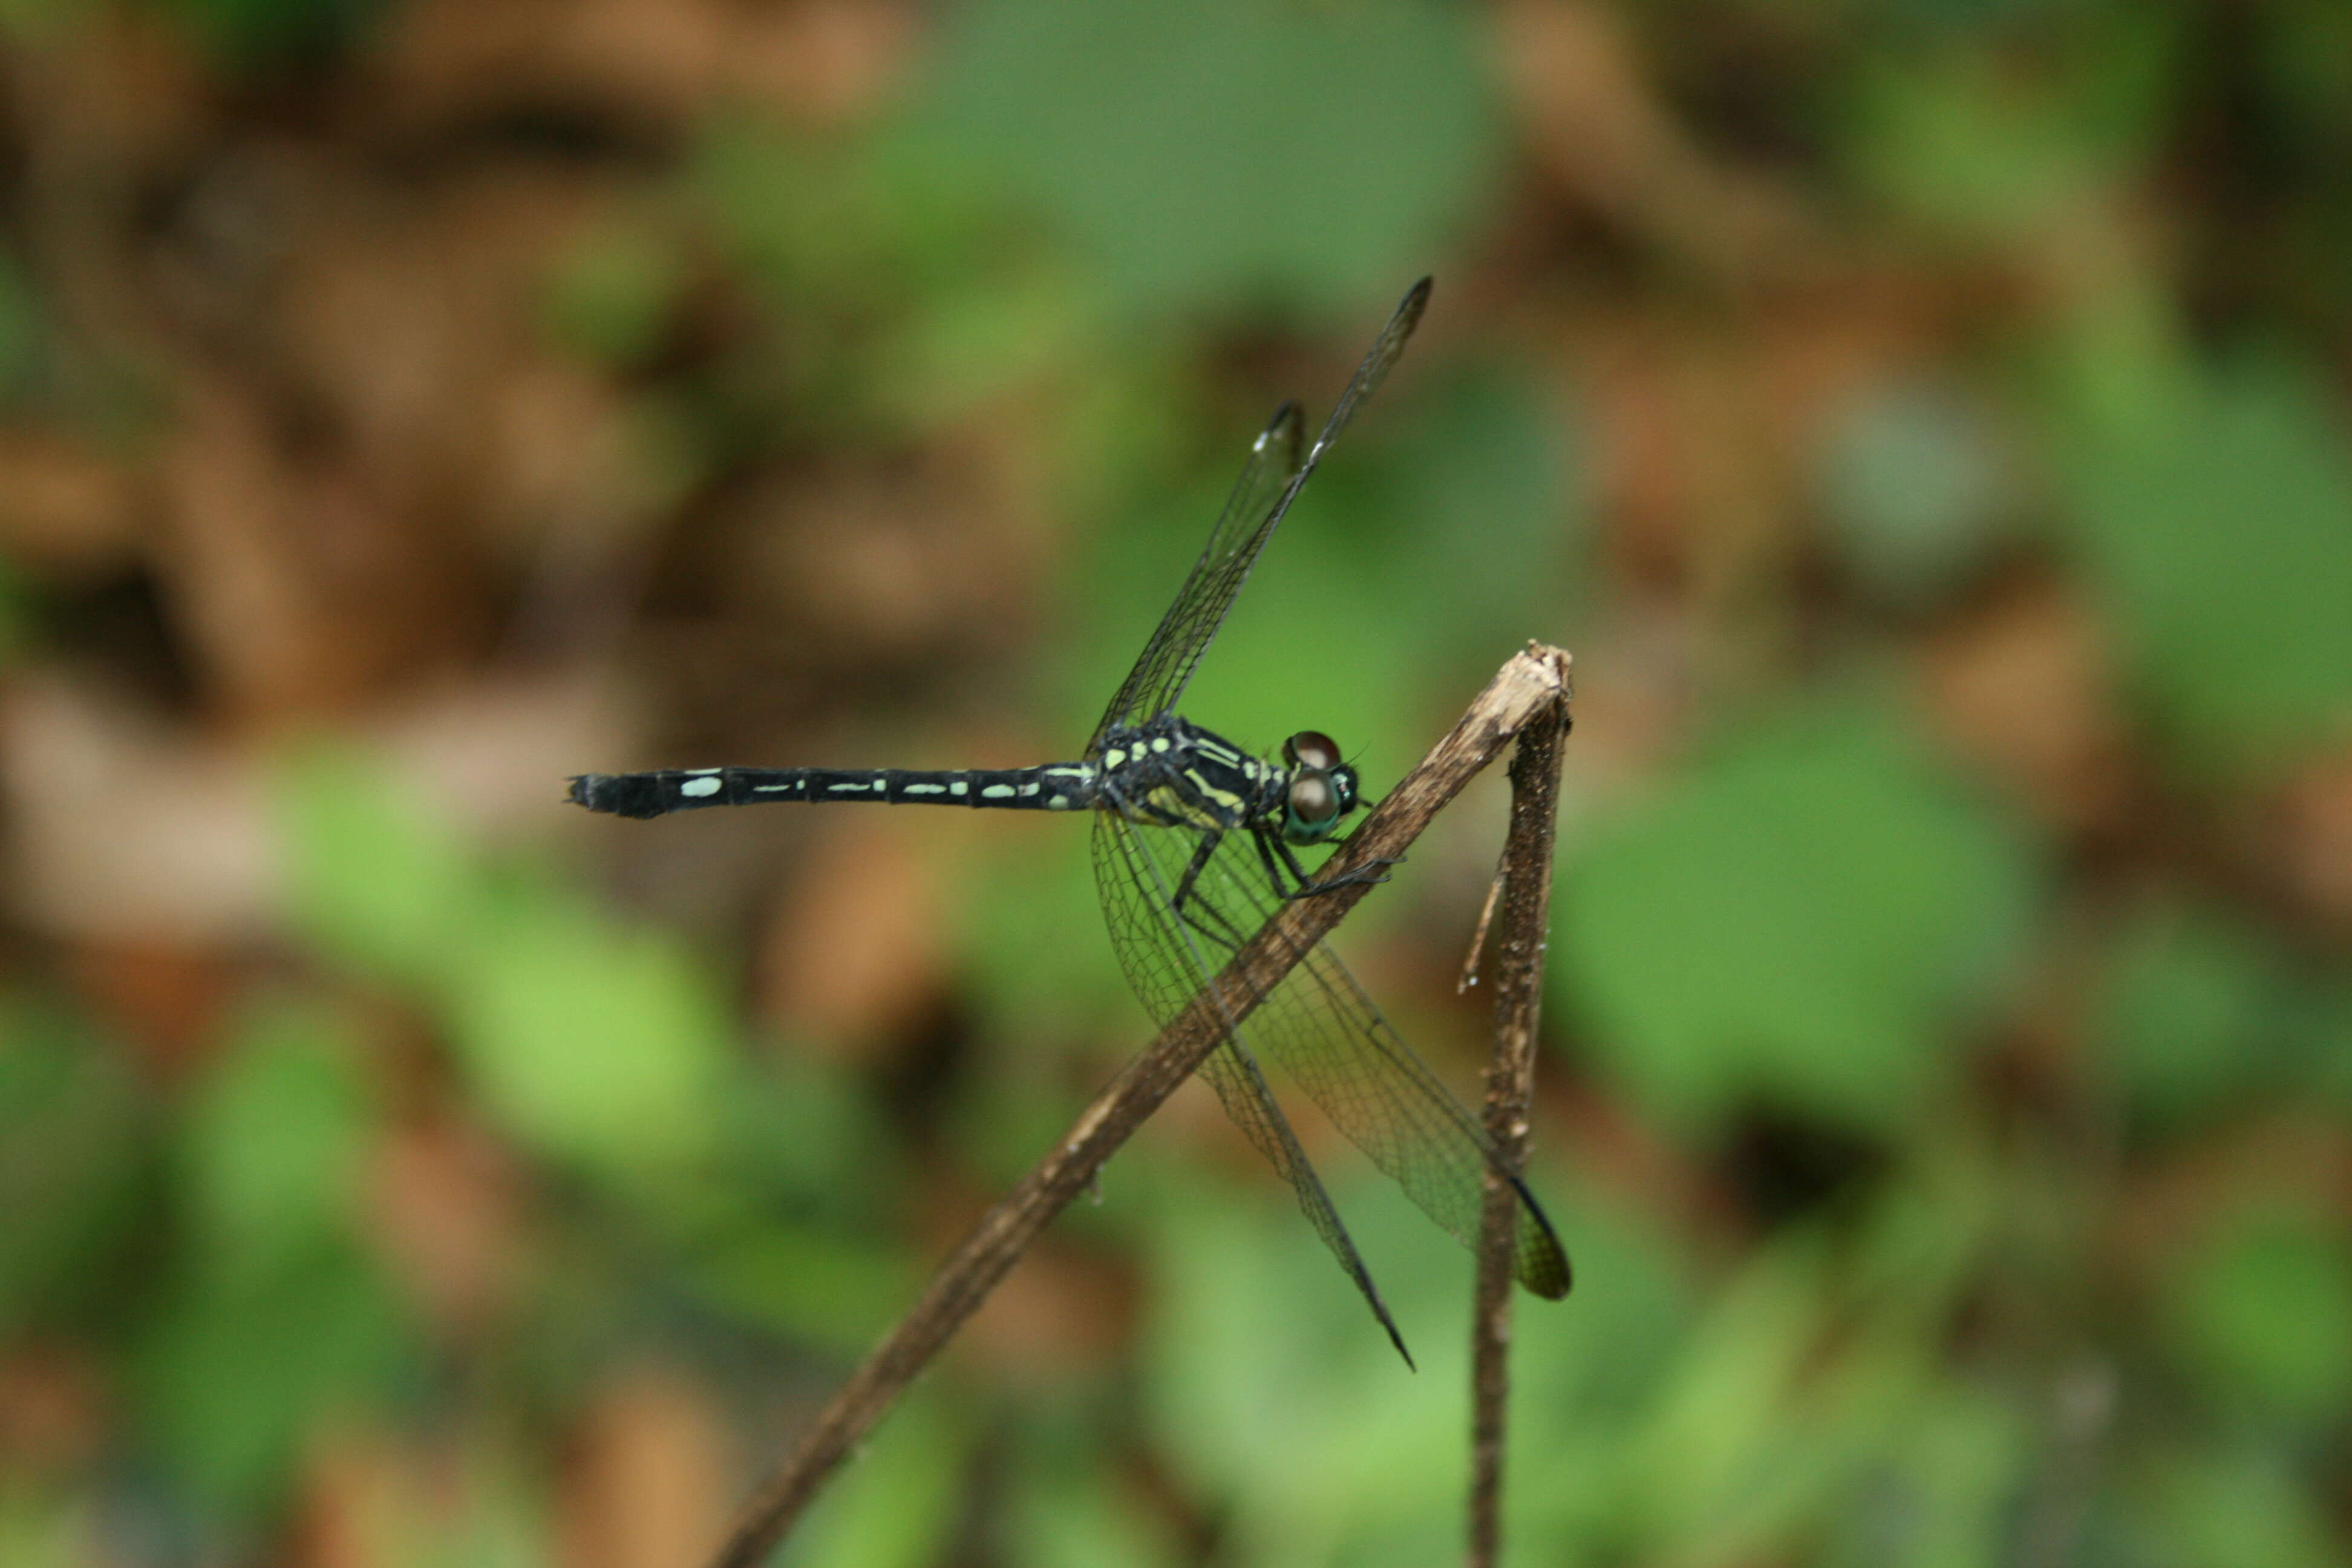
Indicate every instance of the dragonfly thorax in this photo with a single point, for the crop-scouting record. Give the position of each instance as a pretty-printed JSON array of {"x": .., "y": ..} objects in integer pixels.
[{"x": 1170, "y": 772}]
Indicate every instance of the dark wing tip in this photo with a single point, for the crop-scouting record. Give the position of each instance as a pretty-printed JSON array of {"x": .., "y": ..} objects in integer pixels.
[
  {"x": 1408, "y": 308},
  {"x": 1541, "y": 1262},
  {"x": 1545, "y": 1271}
]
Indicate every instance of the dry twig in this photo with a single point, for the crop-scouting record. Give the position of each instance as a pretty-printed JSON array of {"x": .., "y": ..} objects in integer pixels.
[{"x": 1523, "y": 893}]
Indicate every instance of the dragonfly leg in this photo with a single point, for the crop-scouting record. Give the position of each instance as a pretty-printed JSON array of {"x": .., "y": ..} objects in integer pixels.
[
  {"x": 1368, "y": 872},
  {"x": 1194, "y": 913},
  {"x": 1266, "y": 845}
]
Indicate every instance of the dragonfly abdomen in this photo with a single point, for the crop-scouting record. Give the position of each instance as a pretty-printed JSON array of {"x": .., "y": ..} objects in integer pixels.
[{"x": 1056, "y": 786}]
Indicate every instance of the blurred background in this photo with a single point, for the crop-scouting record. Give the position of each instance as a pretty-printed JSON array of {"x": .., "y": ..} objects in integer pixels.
[{"x": 1924, "y": 420}]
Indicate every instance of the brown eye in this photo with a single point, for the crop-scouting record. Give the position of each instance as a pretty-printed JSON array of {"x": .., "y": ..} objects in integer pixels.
[
  {"x": 1311, "y": 749},
  {"x": 1312, "y": 798}
]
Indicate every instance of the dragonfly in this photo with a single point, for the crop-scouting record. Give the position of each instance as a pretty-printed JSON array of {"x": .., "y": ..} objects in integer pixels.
[{"x": 1195, "y": 847}]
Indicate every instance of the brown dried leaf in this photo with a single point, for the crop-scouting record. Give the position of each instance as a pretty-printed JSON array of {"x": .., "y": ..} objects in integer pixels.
[
  {"x": 2025, "y": 689},
  {"x": 853, "y": 959},
  {"x": 443, "y": 1201},
  {"x": 650, "y": 62},
  {"x": 120, "y": 830},
  {"x": 53, "y": 1415},
  {"x": 64, "y": 510},
  {"x": 824, "y": 61},
  {"x": 301, "y": 595},
  {"x": 648, "y": 1490},
  {"x": 1599, "y": 130},
  {"x": 2316, "y": 836},
  {"x": 1062, "y": 1314}
]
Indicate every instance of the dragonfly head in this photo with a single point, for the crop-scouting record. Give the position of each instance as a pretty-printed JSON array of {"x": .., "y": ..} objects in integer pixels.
[{"x": 1322, "y": 788}]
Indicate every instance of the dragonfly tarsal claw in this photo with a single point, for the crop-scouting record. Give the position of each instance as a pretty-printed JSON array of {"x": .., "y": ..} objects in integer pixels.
[{"x": 1368, "y": 874}]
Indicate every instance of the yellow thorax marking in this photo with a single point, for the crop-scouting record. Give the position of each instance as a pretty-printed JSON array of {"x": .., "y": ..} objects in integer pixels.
[{"x": 1173, "y": 807}]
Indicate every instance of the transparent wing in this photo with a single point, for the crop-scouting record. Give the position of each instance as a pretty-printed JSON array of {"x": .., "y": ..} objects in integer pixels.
[
  {"x": 1273, "y": 461},
  {"x": 1270, "y": 482},
  {"x": 1319, "y": 1027},
  {"x": 1164, "y": 963}
]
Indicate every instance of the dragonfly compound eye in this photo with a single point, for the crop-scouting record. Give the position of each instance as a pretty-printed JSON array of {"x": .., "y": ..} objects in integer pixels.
[
  {"x": 1311, "y": 749},
  {"x": 1343, "y": 784},
  {"x": 1315, "y": 804}
]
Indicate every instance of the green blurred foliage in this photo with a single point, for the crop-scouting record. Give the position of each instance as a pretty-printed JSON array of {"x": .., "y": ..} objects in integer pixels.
[
  {"x": 1948, "y": 1083},
  {"x": 1918, "y": 492},
  {"x": 39, "y": 1534},
  {"x": 267, "y": 39},
  {"x": 612, "y": 297},
  {"x": 605, "y": 1049},
  {"x": 1809, "y": 919},
  {"x": 1227, "y": 149},
  {"x": 2198, "y": 1011},
  {"x": 2233, "y": 1507},
  {"x": 2262, "y": 1317},
  {"x": 275, "y": 1138},
  {"x": 22, "y": 331},
  {"x": 1655, "y": 1424},
  {"x": 591, "y": 1044},
  {"x": 896, "y": 1508},
  {"x": 73, "y": 1153},
  {"x": 1979, "y": 145},
  {"x": 2221, "y": 533},
  {"x": 283, "y": 1313}
]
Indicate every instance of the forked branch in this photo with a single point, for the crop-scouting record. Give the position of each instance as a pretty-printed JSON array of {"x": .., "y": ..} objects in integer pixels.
[
  {"x": 1530, "y": 685},
  {"x": 1515, "y": 962}
]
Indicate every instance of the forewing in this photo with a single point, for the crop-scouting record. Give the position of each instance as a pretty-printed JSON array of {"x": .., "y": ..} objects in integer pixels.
[
  {"x": 1321, "y": 1029},
  {"x": 1273, "y": 460},
  {"x": 1184, "y": 633},
  {"x": 1137, "y": 871}
]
